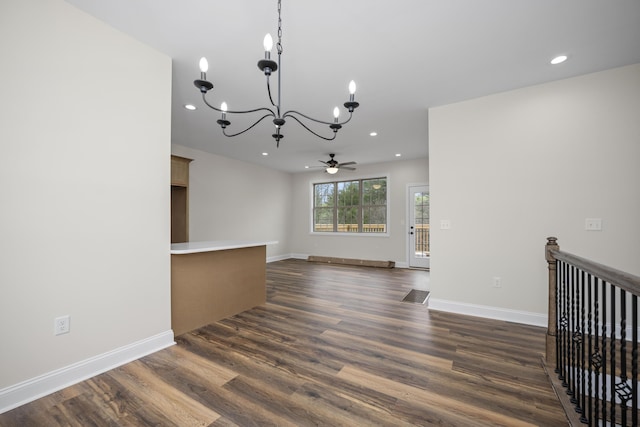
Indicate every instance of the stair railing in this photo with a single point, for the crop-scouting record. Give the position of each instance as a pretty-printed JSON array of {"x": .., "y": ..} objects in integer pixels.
[{"x": 592, "y": 339}]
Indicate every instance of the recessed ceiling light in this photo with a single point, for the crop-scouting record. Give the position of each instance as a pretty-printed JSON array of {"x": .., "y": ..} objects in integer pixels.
[
  {"x": 306, "y": 167},
  {"x": 558, "y": 59},
  {"x": 190, "y": 107},
  {"x": 398, "y": 154},
  {"x": 373, "y": 134},
  {"x": 265, "y": 154}
]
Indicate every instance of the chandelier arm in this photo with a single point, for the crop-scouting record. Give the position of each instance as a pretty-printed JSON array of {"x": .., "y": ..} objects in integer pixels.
[
  {"x": 291, "y": 112},
  {"x": 249, "y": 128},
  {"x": 346, "y": 121},
  {"x": 269, "y": 92},
  {"x": 271, "y": 113},
  {"x": 316, "y": 134}
]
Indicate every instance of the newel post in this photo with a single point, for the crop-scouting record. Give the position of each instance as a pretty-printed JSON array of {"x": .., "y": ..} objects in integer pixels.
[{"x": 552, "y": 245}]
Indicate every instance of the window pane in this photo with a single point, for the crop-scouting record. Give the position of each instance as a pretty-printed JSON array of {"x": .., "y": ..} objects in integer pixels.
[
  {"x": 422, "y": 208},
  {"x": 421, "y": 217},
  {"x": 374, "y": 219},
  {"x": 356, "y": 206},
  {"x": 348, "y": 219},
  {"x": 349, "y": 193},
  {"x": 323, "y": 194},
  {"x": 374, "y": 191},
  {"x": 323, "y": 219}
]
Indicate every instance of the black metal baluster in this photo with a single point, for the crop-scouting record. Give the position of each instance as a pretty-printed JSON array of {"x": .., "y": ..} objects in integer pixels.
[
  {"x": 622, "y": 388},
  {"x": 558, "y": 315},
  {"x": 582, "y": 381},
  {"x": 603, "y": 397},
  {"x": 563, "y": 326},
  {"x": 572, "y": 330},
  {"x": 597, "y": 357},
  {"x": 634, "y": 360},
  {"x": 589, "y": 388},
  {"x": 567, "y": 342},
  {"x": 612, "y": 362},
  {"x": 575, "y": 338}
]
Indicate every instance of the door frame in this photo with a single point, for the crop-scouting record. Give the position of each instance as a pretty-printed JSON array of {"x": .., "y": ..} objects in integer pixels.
[{"x": 409, "y": 204}]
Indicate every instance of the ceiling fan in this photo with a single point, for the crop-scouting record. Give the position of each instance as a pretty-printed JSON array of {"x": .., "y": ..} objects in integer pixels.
[{"x": 333, "y": 166}]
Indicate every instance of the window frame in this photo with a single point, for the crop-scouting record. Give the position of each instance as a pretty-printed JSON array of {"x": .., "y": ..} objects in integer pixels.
[{"x": 360, "y": 207}]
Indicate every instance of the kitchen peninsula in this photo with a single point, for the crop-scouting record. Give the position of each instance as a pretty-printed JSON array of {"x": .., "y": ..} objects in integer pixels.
[{"x": 214, "y": 280}]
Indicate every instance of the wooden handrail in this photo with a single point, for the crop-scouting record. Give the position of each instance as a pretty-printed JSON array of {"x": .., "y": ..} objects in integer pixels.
[{"x": 626, "y": 281}]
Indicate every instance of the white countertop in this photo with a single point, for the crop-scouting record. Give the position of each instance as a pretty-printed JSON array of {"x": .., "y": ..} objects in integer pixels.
[{"x": 215, "y": 245}]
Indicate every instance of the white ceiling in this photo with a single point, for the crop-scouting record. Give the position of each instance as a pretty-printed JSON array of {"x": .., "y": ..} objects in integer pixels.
[{"x": 405, "y": 56}]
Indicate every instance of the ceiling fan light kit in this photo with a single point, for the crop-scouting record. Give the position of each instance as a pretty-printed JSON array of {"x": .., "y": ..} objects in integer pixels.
[
  {"x": 332, "y": 170},
  {"x": 333, "y": 166},
  {"x": 268, "y": 66}
]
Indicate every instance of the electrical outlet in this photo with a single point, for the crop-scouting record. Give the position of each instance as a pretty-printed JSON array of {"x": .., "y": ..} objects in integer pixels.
[
  {"x": 497, "y": 282},
  {"x": 61, "y": 325}
]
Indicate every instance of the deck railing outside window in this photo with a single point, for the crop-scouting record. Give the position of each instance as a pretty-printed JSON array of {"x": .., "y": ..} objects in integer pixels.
[
  {"x": 422, "y": 239},
  {"x": 352, "y": 228},
  {"x": 421, "y": 233}
]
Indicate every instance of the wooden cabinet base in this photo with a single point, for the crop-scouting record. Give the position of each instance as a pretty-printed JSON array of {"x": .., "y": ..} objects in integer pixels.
[{"x": 209, "y": 286}]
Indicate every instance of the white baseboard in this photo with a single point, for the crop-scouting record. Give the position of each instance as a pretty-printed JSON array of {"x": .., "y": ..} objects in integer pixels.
[
  {"x": 498, "y": 313},
  {"x": 286, "y": 256},
  {"x": 402, "y": 265},
  {"x": 278, "y": 258},
  {"x": 35, "y": 388}
]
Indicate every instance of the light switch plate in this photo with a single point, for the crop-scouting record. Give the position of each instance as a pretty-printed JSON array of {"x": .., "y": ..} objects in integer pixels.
[
  {"x": 593, "y": 224},
  {"x": 445, "y": 224}
]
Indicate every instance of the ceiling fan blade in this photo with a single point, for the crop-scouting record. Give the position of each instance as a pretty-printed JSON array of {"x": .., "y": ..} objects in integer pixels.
[
  {"x": 347, "y": 168},
  {"x": 323, "y": 162},
  {"x": 347, "y": 163}
]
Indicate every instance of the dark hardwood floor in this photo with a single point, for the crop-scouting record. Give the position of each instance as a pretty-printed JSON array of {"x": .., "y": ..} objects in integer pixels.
[{"x": 333, "y": 346}]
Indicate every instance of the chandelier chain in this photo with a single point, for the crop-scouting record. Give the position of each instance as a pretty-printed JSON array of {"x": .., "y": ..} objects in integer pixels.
[{"x": 279, "y": 45}]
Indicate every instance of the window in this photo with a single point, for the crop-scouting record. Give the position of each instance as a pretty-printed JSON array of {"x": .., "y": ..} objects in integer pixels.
[{"x": 356, "y": 206}]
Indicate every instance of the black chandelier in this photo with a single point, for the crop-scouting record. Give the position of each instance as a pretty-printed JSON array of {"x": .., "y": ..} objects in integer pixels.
[{"x": 268, "y": 66}]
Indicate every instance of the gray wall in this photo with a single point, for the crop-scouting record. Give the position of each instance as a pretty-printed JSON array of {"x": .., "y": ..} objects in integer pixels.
[
  {"x": 85, "y": 195},
  {"x": 510, "y": 169}
]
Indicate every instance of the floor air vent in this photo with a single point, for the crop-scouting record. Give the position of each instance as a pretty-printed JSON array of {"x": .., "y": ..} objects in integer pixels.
[{"x": 416, "y": 296}]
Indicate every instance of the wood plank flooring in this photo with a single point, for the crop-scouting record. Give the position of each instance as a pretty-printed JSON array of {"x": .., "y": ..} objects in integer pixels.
[{"x": 334, "y": 346}]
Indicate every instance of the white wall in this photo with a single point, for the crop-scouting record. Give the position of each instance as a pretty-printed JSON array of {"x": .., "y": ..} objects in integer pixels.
[
  {"x": 390, "y": 248},
  {"x": 230, "y": 199},
  {"x": 510, "y": 169},
  {"x": 85, "y": 197}
]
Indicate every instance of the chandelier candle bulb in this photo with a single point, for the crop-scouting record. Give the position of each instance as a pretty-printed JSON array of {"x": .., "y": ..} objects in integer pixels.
[
  {"x": 351, "y": 104},
  {"x": 223, "y": 122},
  {"x": 204, "y": 67},
  {"x": 336, "y": 114},
  {"x": 268, "y": 45}
]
